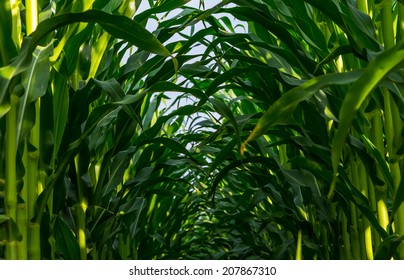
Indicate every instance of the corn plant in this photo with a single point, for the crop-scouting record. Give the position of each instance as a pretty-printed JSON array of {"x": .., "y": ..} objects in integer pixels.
[
  {"x": 325, "y": 70},
  {"x": 69, "y": 111},
  {"x": 248, "y": 130}
]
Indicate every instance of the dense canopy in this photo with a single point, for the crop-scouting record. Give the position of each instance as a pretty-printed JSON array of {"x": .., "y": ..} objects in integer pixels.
[{"x": 175, "y": 129}]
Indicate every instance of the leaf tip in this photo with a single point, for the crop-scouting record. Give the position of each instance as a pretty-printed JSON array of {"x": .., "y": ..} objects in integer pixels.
[{"x": 242, "y": 148}]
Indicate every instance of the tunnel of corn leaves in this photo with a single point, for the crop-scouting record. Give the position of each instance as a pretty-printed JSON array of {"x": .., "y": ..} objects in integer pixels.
[{"x": 242, "y": 130}]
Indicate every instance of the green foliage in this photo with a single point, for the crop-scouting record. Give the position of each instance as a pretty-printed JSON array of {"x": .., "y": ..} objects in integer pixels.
[{"x": 127, "y": 141}]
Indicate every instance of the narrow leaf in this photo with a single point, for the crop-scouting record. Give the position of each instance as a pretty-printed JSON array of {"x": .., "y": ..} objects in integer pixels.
[
  {"x": 117, "y": 25},
  {"x": 17, "y": 66},
  {"x": 281, "y": 111},
  {"x": 399, "y": 197},
  {"x": 60, "y": 112},
  {"x": 388, "y": 247},
  {"x": 383, "y": 165},
  {"x": 35, "y": 81},
  {"x": 359, "y": 91},
  {"x": 66, "y": 241}
]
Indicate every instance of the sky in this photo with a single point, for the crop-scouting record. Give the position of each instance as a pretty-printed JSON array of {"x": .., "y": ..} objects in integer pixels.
[
  {"x": 192, "y": 3},
  {"x": 152, "y": 25}
]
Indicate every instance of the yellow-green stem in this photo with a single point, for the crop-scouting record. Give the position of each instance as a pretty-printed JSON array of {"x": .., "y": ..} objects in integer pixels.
[
  {"x": 355, "y": 245},
  {"x": 393, "y": 123},
  {"x": 367, "y": 230},
  {"x": 33, "y": 172},
  {"x": 324, "y": 241},
  {"x": 400, "y": 31},
  {"x": 15, "y": 14},
  {"x": 31, "y": 8},
  {"x": 361, "y": 237},
  {"x": 11, "y": 175},
  {"x": 372, "y": 198},
  {"x": 347, "y": 241},
  {"x": 124, "y": 246},
  {"x": 399, "y": 216},
  {"x": 363, "y": 6},
  {"x": 360, "y": 184},
  {"x": 299, "y": 245},
  {"x": 22, "y": 212},
  {"x": 34, "y": 238},
  {"x": 373, "y": 205},
  {"x": 81, "y": 208},
  {"x": 283, "y": 157},
  {"x": 380, "y": 191},
  {"x": 22, "y": 223},
  {"x": 355, "y": 232},
  {"x": 387, "y": 24},
  {"x": 34, "y": 246}
]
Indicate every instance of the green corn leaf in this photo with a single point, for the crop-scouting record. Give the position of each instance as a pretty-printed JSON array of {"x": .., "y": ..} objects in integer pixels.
[
  {"x": 225, "y": 112},
  {"x": 359, "y": 91},
  {"x": 60, "y": 112},
  {"x": 399, "y": 197},
  {"x": 9, "y": 230},
  {"x": 115, "y": 91},
  {"x": 166, "y": 6},
  {"x": 388, "y": 248},
  {"x": 164, "y": 86},
  {"x": 130, "y": 99},
  {"x": 119, "y": 164},
  {"x": 72, "y": 48},
  {"x": 8, "y": 48},
  {"x": 382, "y": 163},
  {"x": 96, "y": 118},
  {"x": 340, "y": 50},
  {"x": 117, "y": 25},
  {"x": 224, "y": 172},
  {"x": 282, "y": 30},
  {"x": 222, "y": 156},
  {"x": 35, "y": 81},
  {"x": 171, "y": 144},
  {"x": 17, "y": 66},
  {"x": 281, "y": 111},
  {"x": 66, "y": 241}
]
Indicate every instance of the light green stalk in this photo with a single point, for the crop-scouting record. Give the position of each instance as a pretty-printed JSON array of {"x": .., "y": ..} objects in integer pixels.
[
  {"x": 77, "y": 6},
  {"x": 371, "y": 192},
  {"x": 81, "y": 208},
  {"x": 373, "y": 205},
  {"x": 377, "y": 126},
  {"x": 283, "y": 156},
  {"x": 299, "y": 245},
  {"x": 11, "y": 175},
  {"x": 387, "y": 24},
  {"x": 324, "y": 242},
  {"x": 358, "y": 181},
  {"x": 400, "y": 211},
  {"x": 380, "y": 191},
  {"x": 34, "y": 249},
  {"x": 15, "y": 13},
  {"x": 367, "y": 230},
  {"x": 33, "y": 173},
  {"x": 347, "y": 241},
  {"x": 393, "y": 123},
  {"x": 361, "y": 237},
  {"x": 355, "y": 240},
  {"x": 363, "y": 6},
  {"x": 400, "y": 23},
  {"x": 31, "y": 8},
  {"x": 22, "y": 212},
  {"x": 124, "y": 246}
]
